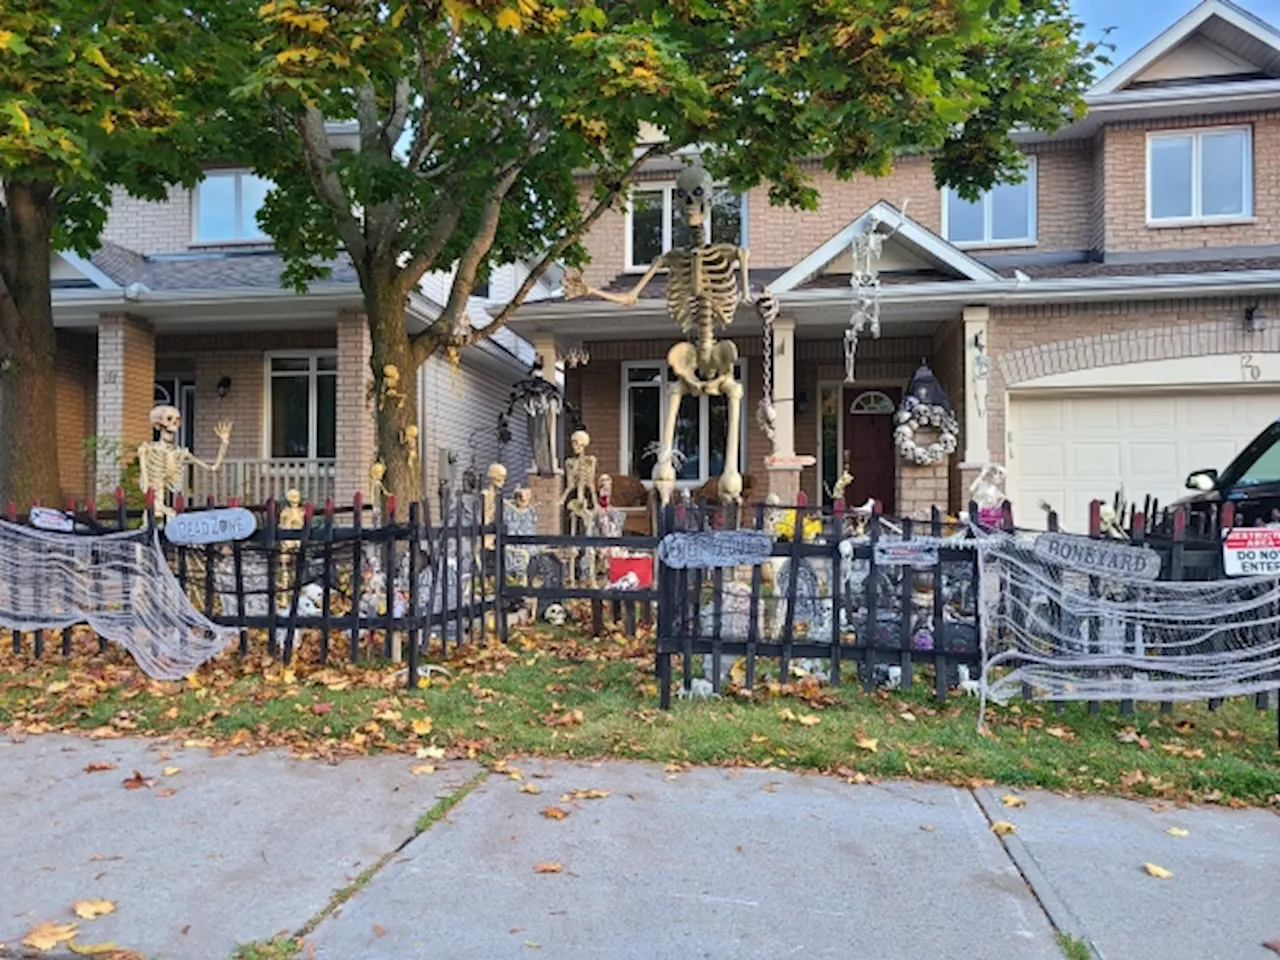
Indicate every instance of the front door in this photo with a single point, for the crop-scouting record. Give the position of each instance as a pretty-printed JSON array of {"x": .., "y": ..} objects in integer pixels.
[{"x": 868, "y": 444}]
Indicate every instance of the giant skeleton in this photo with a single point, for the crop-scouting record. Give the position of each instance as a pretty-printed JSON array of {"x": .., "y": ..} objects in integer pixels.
[
  {"x": 163, "y": 464},
  {"x": 704, "y": 287}
]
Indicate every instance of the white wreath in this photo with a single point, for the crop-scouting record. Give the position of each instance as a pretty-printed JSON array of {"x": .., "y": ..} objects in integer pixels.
[{"x": 915, "y": 416}]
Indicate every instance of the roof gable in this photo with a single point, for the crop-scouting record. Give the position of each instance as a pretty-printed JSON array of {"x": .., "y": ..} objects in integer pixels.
[
  {"x": 70, "y": 271},
  {"x": 911, "y": 247},
  {"x": 1216, "y": 40}
]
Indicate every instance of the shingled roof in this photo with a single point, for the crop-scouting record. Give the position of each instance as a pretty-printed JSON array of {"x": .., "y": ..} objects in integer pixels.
[{"x": 211, "y": 270}]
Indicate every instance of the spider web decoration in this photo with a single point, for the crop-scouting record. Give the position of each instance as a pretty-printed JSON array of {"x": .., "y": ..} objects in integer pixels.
[
  {"x": 1057, "y": 631},
  {"x": 119, "y": 584}
]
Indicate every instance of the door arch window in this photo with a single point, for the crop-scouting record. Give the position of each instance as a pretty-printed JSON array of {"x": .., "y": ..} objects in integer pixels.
[{"x": 871, "y": 401}]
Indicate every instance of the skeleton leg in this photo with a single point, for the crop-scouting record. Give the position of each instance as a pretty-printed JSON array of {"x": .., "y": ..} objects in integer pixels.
[
  {"x": 664, "y": 473},
  {"x": 731, "y": 479}
]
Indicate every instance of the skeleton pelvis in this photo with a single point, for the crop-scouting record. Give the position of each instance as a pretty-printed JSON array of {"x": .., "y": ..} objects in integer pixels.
[{"x": 706, "y": 372}]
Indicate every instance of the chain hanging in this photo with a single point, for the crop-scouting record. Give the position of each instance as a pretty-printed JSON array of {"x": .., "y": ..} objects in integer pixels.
[{"x": 766, "y": 416}]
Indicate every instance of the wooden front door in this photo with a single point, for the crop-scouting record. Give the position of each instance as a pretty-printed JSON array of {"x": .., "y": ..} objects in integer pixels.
[{"x": 868, "y": 444}]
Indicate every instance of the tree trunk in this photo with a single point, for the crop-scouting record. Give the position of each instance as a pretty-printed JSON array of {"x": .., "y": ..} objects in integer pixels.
[
  {"x": 28, "y": 411},
  {"x": 395, "y": 397}
]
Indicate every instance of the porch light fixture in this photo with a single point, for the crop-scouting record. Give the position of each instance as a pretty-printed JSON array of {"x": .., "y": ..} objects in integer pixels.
[
  {"x": 1255, "y": 321},
  {"x": 224, "y": 387}
]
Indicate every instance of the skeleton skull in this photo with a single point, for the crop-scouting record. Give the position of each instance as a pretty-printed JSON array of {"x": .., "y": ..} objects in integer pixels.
[
  {"x": 556, "y": 615},
  {"x": 168, "y": 420},
  {"x": 693, "y": 193}
]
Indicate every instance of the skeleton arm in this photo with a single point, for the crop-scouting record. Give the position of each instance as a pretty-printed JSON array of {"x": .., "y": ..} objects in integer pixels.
[
  {"x": 575, "y": 287},
  {"x": 744, "y": 273},
  {"x": 223, "y": 432},
  {"x": 145, "y": 480}
]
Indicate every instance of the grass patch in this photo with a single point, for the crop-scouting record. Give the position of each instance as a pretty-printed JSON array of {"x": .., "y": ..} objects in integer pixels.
[
  {"x": 278, "y": 948},
  {"x": 558, "y": 694},
  {"x": 445, "y": 804},
  {"x": 1073, "y": 948}
]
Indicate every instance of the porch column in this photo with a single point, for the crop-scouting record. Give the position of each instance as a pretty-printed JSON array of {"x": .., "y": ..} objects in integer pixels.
[
  {"x": 355, "y": 440},
  {"x": 783, "y": 464},
  {"x": 126, "y": 391},
  {"x": 976, "y": 449},
  {"x": 547, "y": 491}
]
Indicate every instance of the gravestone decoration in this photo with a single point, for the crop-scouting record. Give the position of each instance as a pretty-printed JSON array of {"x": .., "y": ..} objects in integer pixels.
[
  {"x": 806, "y": 601},
  {"x": 546, "y": 573},
  {"x": 519, "y": 519}
]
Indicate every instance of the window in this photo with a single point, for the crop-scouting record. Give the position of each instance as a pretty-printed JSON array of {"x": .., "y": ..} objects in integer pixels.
[
  {"x": 226, "y": 207},
  {"x": 302, "y": 406},
  {"x": 653, "y": 226},
  {"x": 1004, "y": 214},
  {"x": 1200, "y": 175},
  {"x": 701, "y": 430}
]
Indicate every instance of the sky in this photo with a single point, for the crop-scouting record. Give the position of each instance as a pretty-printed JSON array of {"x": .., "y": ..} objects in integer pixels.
[{"x": 1138, "y": 21}]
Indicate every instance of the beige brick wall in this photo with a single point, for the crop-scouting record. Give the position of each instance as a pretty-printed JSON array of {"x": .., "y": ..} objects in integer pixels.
[
  {"x": 125, "y": 387},
  {"x": 355, "y": 447},
  {"x": 922, "y": 487},
  {"x": 1125, "y": 190},
  {"x": 1026, "y": 343},
  {"x": 76, "y": 391},
  {"x": 150, "y": 227}
]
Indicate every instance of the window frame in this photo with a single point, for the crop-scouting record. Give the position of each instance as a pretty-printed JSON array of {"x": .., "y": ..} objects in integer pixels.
[
  {"x": 239, "y": 173},
  {"x": 1031, "y": 181},
  {"x": 625, "y": 467},
  {"x": 1197, "y": 135},
  {"x": 668, "y": 188},
  {"x": 313, "y": 373}
]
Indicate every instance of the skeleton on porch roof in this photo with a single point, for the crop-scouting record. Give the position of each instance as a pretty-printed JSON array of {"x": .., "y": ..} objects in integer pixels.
[{"x": 705, "y": 284}]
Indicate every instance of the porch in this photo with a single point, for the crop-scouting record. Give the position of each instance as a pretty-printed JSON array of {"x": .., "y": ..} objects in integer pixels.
[{"x": 255, "y": 481}]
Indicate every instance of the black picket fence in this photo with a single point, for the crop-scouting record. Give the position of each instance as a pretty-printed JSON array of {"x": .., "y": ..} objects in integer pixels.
[{"x": 871, "y": 593}]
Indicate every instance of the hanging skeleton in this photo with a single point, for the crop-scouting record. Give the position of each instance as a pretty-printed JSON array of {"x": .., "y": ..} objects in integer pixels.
[
  {"x": 162, "y": 464},
  {"x": 865, "y": 251},
  {"x": 705, "y": 284}
]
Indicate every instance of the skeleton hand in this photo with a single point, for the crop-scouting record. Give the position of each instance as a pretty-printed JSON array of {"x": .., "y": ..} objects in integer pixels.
[
  {"x": 766, "y": 305},
  {"x": 575, "y": 286},
  {"x": 223, "y": 431}
]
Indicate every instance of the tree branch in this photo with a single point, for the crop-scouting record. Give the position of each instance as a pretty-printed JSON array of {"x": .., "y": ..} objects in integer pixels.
[
  {"x": 560, "y": 246},
  {"x": 320, "y": 166},
  {"x": 399, "y": 114}
]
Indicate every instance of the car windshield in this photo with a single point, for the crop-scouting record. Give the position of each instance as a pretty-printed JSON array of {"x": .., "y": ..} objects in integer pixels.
[{"x": 1259, "y": 462}]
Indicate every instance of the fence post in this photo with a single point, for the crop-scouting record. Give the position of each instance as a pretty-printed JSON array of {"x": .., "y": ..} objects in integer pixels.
[
  {"x": 326, "y": 596},
  {"x": 357, "y": 581},
  {"x": 500, "y": 571},
  {"x": 941, "y": 673},
  {"x": 272, "y": 545},
  {"x": 871, "y": 596},
  {"x": 837, "y": 585},
  {"x": 666, "y": 612},
  {"x": 415, "y": 637},
  {"x": 299, "y": 570},
  {"x": 753, "y": 616}
]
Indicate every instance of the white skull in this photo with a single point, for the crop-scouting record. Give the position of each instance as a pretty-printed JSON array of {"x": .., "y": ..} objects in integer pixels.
[
  {"x": 556, "y": 615},
  {"x": 166, "y": 419},
  {"x": 693, "y": 194}
]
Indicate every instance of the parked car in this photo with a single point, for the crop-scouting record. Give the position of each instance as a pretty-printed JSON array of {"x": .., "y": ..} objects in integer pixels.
[{"x": 1251, "y": 481}]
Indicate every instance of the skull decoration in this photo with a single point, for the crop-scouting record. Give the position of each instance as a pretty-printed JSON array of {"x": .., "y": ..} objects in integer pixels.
[
  {"x": 693, "y": 193},
  {"x": 556, "y": 615},
  {"x": 168, "y": 420}
]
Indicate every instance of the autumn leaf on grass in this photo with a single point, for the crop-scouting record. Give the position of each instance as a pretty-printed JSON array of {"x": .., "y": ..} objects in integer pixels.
[
  {"x": 137, "y": 781},
  {"x": 808, "y": 720},
  {"x": 1002, "y": 827},
  {"x": 1160, "y": 873},
  {"x": 320, "y": 709},
  {"x": 554, "y": 813},
  {"x": 99, "y": 767},
  {"x": 786, "y": 715},
  {"x": 870, "y": 744},
  {"x": 91, "y": 909},
  {"x": 548, "y": 867},
  {"x": 49, "y": 935},
  {"x": 430, "y": 753},
  {"x": 569, "y": 718},
  {"x": 530, "y": 788},
  {"x": 1012, "y": 800},
  {"x": 1060, "y": 733},
  {"x": 1178, "y": 832},
  {"x": 422, "y": 726}
]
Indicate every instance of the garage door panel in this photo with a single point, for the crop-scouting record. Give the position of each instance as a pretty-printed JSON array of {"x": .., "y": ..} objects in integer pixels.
[{"x": 1068, "y": 450}]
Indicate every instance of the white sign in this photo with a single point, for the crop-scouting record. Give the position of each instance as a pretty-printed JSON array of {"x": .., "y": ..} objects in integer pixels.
[
  {"x": 715, "y": 548},
  {"x": 210, "y": 526},
  {"x": 906, "y": 554},
  {"x": 1103, "y": 558},
  {"x": 46, "y": 518},
  {"x": 1251, "y": 552}
]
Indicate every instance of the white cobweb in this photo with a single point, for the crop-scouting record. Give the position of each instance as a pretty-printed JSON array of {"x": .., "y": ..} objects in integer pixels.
[
  {"x": 1051, "y": 633},
  {"x": 119, "y": 584}
]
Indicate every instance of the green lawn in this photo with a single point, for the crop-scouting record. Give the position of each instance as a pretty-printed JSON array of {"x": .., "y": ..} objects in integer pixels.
[{"x": 560, "y": 694}]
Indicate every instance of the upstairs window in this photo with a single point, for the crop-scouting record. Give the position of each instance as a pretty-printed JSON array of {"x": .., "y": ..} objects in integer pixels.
[
  {"x": 1200, "y": 175},
  {"x": 226, "y": 207},
  {"x": 1005, "y": 214},
  {"x": 654, "y": 226}
]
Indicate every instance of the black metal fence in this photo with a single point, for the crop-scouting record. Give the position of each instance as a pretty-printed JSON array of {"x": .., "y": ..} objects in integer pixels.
[{"x": 877, "y": 596}]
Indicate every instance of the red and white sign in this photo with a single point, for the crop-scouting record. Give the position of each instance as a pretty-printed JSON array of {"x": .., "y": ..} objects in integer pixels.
[{"x": 1251, "y": 552}]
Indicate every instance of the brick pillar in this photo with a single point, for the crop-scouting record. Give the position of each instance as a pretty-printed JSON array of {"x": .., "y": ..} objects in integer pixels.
[
  {"x": 126, "y": 392},
  {"x": 920, "y": 488},
  {"x": 355, "y": 441}
]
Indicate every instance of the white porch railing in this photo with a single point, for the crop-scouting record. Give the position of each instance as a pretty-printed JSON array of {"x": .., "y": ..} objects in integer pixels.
[{"x": 254, "y": 481}]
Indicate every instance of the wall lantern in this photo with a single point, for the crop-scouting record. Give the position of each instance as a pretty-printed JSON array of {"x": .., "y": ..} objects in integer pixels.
[
  {"x": 224, "y": 387},
  {"x": 1255, "y": 321}
]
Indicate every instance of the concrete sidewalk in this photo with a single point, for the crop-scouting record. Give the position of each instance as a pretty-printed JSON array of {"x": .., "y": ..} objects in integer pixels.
[{"x": 706, "y": 863}]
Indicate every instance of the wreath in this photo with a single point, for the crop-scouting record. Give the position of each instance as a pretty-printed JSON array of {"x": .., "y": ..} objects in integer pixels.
[{"x": 915, "y": 415}]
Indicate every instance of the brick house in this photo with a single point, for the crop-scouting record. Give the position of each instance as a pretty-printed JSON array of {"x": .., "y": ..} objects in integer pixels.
[
  {"x": 182, "y": 304},
  {"x": 1102, "y": 324}
]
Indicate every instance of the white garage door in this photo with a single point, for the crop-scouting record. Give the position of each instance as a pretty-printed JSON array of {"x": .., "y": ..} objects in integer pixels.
[{"x": 1069, "y": 450}]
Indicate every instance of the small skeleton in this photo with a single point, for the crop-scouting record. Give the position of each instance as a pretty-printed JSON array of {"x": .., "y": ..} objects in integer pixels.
[
  {"x": 376, "y": 473},
  {"x": 704, "y": 287},
  {"x": 409, "y": 440},
  {"x": 491, "y": 498},
  {"x": 580, "y": 483},
  {"x": 162, "y": 463},
  {"x": 391, "y": 387}
]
